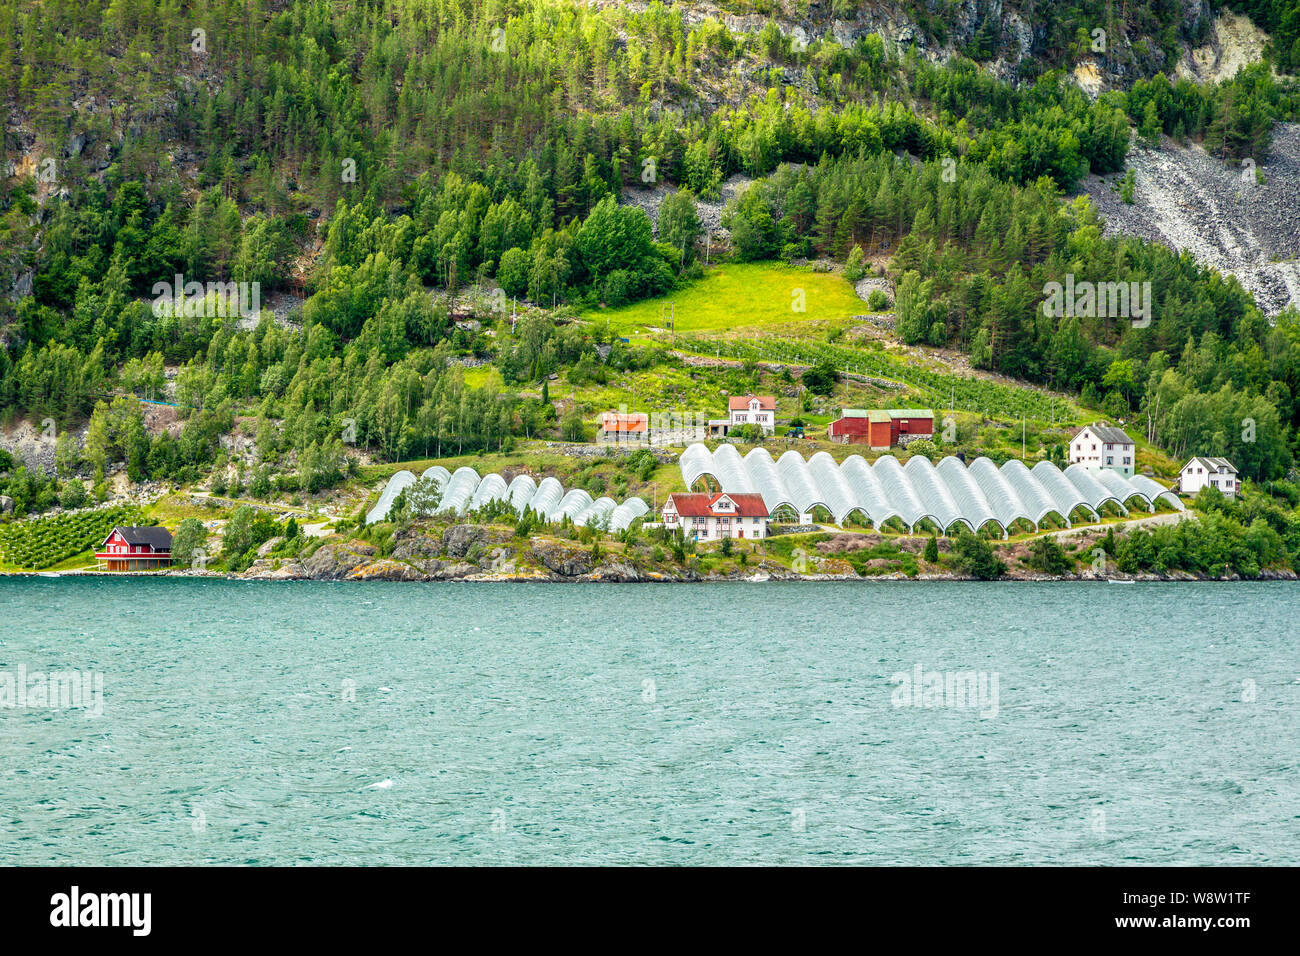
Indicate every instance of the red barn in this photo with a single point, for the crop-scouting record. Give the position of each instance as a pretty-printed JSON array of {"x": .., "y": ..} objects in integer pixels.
[
  {"x": 881, "y": 428},
  {"x": 135, "y": 548}
]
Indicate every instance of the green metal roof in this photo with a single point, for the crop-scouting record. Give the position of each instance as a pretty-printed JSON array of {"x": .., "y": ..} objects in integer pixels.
[
  {"x": 871, "y": 415},
  {"x": 911, "y": 413}
]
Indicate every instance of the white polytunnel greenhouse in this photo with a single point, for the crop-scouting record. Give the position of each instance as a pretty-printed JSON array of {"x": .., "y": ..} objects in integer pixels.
[
  {"x": 947, "y": 494},
  {"x": 465, "y": 491}
]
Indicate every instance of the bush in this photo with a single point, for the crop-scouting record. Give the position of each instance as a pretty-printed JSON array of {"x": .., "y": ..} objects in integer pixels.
[
  {"x": 73, "y": 494},
  {"x": 190, "y": 537},
  {"x": 932, "y": 550},
  {"x": 854, "y": 269},
  {"x": 1046, "y": 556},
  {"x": 821, "y": 378},
  {"x": 974, "y": 556},
  {"x": 923, "y": 447},
  {"x": 877, "y": 301}
]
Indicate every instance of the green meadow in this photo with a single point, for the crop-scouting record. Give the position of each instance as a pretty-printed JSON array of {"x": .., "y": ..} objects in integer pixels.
[{"x": 740, "y": 296}]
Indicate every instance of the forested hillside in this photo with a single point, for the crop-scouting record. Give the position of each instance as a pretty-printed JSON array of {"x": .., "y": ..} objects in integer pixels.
[{"x": 375, "y": 160}]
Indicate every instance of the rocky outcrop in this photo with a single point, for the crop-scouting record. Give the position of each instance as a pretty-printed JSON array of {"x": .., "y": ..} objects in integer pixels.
[
  {"x": 460, "y": 538},
  {"x": 564, "y": 561},
  {"x": 387, "y": 570},
  {"x": 334, "y": 562}
]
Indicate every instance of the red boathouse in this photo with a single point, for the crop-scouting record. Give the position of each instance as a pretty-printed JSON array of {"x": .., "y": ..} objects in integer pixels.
[{"x": 135, "y": 548}]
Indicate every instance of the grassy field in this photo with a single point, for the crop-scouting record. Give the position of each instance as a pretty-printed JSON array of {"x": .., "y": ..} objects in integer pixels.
[{"x": 738, "y": 296}]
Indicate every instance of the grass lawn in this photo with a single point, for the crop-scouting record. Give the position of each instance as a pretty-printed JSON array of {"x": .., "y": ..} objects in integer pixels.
[
  {"x": 484, "y": 376},
  {"x": 740, "y": 295}
]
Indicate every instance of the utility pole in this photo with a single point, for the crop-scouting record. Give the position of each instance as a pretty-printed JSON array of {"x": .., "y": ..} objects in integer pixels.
[{"x": 1022, "y": 437}]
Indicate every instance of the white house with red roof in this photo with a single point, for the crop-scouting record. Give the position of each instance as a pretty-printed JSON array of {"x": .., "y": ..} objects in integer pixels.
[
  {"x": 752, "y": 410},
  {"x": 709, "y": 517}
]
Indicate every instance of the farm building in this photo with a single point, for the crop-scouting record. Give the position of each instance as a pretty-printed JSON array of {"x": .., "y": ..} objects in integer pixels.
[
  {"x": 135, "y": 548},
  {"x": 709, "y": 517},
  {"x": 752, "y": 410},
  {"x": 623, "y": 428},
  {"x": 881, "y": 428},
  {"x": 1199, "y": 472},
  {"x": 1101, "y": 446}
]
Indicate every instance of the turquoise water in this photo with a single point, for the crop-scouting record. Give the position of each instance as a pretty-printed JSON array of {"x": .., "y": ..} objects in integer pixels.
[{"x": 729, "y": 723}]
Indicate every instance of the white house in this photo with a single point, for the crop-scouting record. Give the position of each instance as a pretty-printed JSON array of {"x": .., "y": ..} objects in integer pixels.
[
  {"x": 752, "y": 410},
  {"x": 1101, "y": 446},
  {"x": 708, "y": 517},
  {"x": 1218, "y": 472}
]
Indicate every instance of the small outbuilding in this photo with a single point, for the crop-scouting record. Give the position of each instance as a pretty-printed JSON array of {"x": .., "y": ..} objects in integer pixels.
[{"x": 881, "y": 428}]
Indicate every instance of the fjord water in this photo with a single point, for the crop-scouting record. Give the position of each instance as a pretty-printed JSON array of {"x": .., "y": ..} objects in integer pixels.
[{"x": 318, "y": 723}]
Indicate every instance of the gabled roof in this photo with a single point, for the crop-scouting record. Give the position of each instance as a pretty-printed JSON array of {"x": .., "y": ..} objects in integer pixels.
[
  {"x": 910, "y": 413},
  {"x": 1107, "y": 433},
  {"x": 624, "y": 421},
  {"x": 160, "y": 539},
  {"x": 739, "y": 403},
  {"x": 1212, "y": 464},
  {"x": 700, "y": 505}
]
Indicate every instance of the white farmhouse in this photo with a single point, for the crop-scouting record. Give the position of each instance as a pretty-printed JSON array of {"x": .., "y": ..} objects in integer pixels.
[
  {"x": 753, "y": 410},
  {"x": 708, "y": 517},
  {"x": 1217, "y": 472},
  {"x": 1101, "y": 446}
]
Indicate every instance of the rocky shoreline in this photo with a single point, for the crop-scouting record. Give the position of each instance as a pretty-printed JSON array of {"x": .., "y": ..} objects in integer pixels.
[{"x": 478, "y": 553}]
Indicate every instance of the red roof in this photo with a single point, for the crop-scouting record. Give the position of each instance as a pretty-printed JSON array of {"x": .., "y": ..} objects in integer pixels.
[
  {"x": 624, "y": 422},
  {"x": 739, "y": 403},
  {"x": 748, "y": 505}
]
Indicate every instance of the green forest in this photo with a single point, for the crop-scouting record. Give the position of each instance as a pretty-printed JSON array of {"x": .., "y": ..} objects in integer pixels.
[{"x": 360, "y": 156}]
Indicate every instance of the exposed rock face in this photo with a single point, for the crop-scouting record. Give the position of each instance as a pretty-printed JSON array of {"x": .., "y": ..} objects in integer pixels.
[
  {"x": 334, "y": 562},
  {"x": 1234, "y": 42},
  {"x": 1219, "y": 213},
  {"x": 568, "y": 562},
  {"x": 1010, "y": 33},
  {"x": 268, "y": 546},
  {"x": 614, "y": 571},
  {"x": 416, "y": 547},
  {"x": 386, "y": 570},
  {"x": 459, "y": 539}
]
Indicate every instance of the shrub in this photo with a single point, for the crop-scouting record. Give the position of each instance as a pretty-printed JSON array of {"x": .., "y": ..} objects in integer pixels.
[
  {"x": 974, "y": 556},
  {"x": 73, "y": 494},
  {"x": 190, "y": 537},
  {"x": 1047, "y": 556}
]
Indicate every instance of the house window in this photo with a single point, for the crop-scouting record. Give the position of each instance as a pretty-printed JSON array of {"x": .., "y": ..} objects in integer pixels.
[{"x": 1110, "y": 460}]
